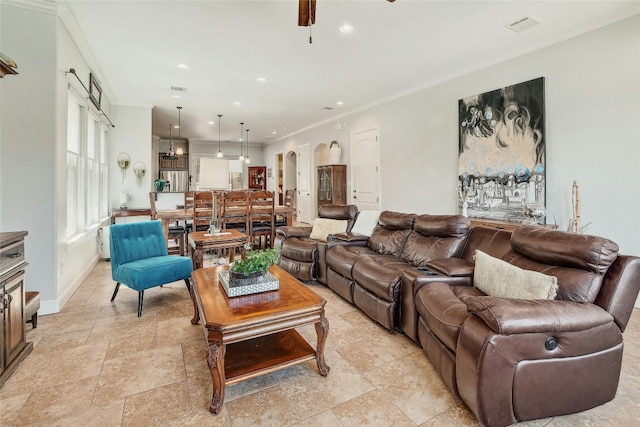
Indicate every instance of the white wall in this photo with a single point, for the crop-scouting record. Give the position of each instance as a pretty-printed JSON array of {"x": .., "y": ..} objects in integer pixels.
[{"x": 592, "y": 121}]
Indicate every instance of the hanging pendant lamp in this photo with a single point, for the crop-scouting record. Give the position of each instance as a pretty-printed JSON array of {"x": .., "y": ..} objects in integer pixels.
[
  {"x": 241, "y": 158},
  {"x": 179, "y": 151},
  {"x": 246, "y": 160},
  {"x": 219, "y": 155},
  {"x": 171, "y": 150}
]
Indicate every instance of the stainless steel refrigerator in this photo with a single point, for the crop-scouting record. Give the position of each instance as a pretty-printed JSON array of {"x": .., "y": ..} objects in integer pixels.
[{"x": 177, "y": 181}]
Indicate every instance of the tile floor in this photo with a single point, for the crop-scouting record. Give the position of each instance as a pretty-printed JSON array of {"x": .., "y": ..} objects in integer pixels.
[{"x": 96, "y": 364}]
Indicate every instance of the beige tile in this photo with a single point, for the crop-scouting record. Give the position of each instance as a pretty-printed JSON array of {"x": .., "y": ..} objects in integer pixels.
[
  {"x": 140, "y": 371},
  {"x": 124, "y": 326},
  {"x": 10, "y": 405},
  {"x": 106, "y": 415},
  {"x": 202, "y": 419},
  {"x": 157, "y": 407},
  {"x": 178, "y": 330},
  {"x": 194, "y": 351},
  {"x": 269, "y": 407},
  {"x": 312, "y": 393},
  {"x": 414, "y": 386},
  {"x": 324, "y": 419},
  {"x": 119, "y": 347},
  {"x": 61, "y": 341},
  {"x": 371, "y": 409},
  {"x": 57, "y": 367},
  {"x": 458, "y": 415},
  {"x": 48, "y": 404}
]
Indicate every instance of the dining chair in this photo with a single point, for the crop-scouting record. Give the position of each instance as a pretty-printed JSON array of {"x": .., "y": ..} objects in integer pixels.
[
  {"x": 202, "y": 210},
  {"x": 139, "y": 258},
  {"x": 235, "y": 211},
  {"x": 262, "y": 218},
  {"x": 281, "y": 221},
  {"x": 176, "y": 232},
  {"x": 188, "y": 205}
]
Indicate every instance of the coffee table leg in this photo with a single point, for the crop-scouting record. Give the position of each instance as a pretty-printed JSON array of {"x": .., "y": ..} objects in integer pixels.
[
  {"x": 215, "y": 360},
  {"x": 198, "y": 258},
  {"x": 196, "y": 313},
  {"x": 322, "y": 329}
]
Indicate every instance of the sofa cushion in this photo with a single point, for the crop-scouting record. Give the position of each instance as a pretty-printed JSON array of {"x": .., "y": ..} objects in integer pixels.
[
  {"x": 322, "y": 227},
  {"x": 498, "y": 278},
  {"x": 382, "y": 281},
  {"x": 300, "y": 249},
  {"x": 442, "y": 225}
]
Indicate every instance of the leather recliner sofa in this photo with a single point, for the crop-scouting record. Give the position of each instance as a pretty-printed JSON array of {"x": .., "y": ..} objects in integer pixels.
[
  {"x": 367, "y": 272},
  {"x": 300, "y": 254},
  {"x": 514, "y": 359}
]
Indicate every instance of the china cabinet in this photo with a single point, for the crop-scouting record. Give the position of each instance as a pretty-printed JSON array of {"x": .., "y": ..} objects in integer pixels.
[
  {"x": 332, "y": 185},
  {"x": 257, "y": 176}
]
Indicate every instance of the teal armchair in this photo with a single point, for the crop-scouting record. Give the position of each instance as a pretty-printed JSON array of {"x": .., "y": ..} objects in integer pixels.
[{"x": 139, "y": 259}]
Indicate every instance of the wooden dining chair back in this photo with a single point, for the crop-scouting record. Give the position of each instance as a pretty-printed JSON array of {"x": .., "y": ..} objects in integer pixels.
[
  {"x": 262, "y": 218},
  {"x": 235, "y": 210},
  {"x": 202, "y": 210},
  {"x": 288, "y": 197},
  {"x": 176, "y": 232},
  {"x": 188, "y": 206}
]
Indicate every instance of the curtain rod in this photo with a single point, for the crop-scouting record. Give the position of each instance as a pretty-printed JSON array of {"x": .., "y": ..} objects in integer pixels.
[{"x": 102, "y": 113}]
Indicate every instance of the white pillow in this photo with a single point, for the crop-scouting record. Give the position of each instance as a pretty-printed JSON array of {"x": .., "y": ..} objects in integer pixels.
[
  {"x": 498, "y": 278},
  {"x": 322, "y": 227},
  {"x": 366, "y": 222}
]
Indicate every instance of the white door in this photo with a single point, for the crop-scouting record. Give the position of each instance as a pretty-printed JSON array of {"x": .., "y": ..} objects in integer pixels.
[
  {"x": 365, "y": 170},
  {"x": 304, "y": 183}
]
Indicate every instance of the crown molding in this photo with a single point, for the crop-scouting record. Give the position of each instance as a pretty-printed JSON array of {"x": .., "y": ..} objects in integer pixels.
[{"x": 43, "y": 6}]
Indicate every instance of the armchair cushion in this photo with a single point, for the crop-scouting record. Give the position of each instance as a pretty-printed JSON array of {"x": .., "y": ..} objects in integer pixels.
[
  {"x": 322, "y": 227},
  {"x": 498, "y": 278}
]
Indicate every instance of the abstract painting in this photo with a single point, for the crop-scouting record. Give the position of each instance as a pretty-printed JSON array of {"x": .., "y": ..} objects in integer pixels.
[{"x": 501, "y": 163}]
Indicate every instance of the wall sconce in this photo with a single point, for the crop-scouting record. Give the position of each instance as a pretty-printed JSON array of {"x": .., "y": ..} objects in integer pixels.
[
  {"x": 139, "y": 169},
  {"x": 123, "y": 162}
]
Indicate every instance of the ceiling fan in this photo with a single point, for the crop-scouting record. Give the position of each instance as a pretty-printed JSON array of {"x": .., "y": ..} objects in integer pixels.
[{"x": 307, "y": 14}]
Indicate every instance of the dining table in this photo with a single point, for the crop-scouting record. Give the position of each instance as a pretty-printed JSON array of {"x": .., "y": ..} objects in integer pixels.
[{"x": 167, "y": 216}]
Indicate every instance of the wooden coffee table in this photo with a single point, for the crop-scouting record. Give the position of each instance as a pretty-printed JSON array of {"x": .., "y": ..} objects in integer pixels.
[
  {"x": 201, "y": 241},
  {"x": 253, "y": 335}
]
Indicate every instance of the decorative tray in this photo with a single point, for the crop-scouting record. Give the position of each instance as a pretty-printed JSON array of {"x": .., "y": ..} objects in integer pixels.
[{"x": 249, "y": 286}]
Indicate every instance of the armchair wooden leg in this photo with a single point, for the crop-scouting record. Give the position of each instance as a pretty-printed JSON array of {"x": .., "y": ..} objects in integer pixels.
[
  {"x": 115, "y": 291},
  {"x": 140, "y": 296},
  {"x": 188, "y": 283}
]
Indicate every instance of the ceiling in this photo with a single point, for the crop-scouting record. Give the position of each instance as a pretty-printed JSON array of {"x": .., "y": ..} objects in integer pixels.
[{"x": 394, "y": 49}]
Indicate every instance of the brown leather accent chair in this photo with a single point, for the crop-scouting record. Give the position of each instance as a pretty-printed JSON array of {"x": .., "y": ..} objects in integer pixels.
[
  {"x": 300, "y": 253},
  {"x": 512, "y": 359}
]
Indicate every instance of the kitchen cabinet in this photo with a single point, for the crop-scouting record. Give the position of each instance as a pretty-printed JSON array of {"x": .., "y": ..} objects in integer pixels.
[
  {"x": 13, "y": 345},
  {"x": 332, "y": 185}
]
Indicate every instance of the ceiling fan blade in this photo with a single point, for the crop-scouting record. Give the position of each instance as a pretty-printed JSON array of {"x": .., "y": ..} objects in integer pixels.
[{"x": 306, "y": 12}]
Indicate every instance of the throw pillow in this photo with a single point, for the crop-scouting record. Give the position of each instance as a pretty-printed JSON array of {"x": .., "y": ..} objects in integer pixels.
[
  {"x": 498, "y": 278},
  {"x": 366, "y": 222},
  {"x": 322, "y": 227}
]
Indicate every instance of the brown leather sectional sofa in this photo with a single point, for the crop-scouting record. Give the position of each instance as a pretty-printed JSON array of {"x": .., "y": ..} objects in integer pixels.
[{"x": 508, "y": 359}]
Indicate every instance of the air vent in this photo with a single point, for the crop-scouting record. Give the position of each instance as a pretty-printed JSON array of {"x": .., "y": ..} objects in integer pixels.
[
  {"x": 178, "y": 89},
  {"x": 327, "y": 108},
  {"x": 522, "y": 24}
]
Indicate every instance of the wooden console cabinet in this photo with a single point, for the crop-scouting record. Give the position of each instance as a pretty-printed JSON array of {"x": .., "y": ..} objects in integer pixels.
[
  {"x": 332, "y": 185},
  {"x": 257, "y": 177},
  {"x": 13, "y": 345}
]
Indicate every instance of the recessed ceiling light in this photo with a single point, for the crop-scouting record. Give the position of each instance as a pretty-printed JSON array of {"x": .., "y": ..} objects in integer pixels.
[
  {"x": 176, "y": 127},
  {"x": 339, "y": 103},
  {"x": 211, "y": 122},
  {"x": 274, "y": 132},
  {"x": 261, "y": 79},
  {"x": 237, "y": 103},
  {"x": 175, "y": 96},
  {"x": 346, "y": 28},
  {"x": 183, "y": 66}
]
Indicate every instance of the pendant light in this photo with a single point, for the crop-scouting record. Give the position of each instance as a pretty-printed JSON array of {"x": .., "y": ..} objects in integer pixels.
[
  {"x": 219, "y": 155},
  {"x": 171, "y": 150},
  {"x": 241, "y": 158},
  {"x": 179, "y": 151},
  {"x": 246, "y": 159}
]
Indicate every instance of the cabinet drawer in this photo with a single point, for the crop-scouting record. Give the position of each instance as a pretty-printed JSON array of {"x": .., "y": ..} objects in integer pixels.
[{"x": 11, "y": 256}]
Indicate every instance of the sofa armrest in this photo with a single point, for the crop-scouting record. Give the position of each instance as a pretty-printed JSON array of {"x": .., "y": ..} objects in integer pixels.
[
  {"x": 453, "y": 267},
  {"x": 294, "y": 231},
  {"x": 506, "y": 316},
  {"x": 350, "y": 237}
]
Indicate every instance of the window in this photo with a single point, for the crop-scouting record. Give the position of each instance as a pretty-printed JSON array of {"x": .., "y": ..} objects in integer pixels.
[{"x": 87, "y": 183}]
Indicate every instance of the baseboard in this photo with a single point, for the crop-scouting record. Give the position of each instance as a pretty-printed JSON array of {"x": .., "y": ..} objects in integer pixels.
[{"x": 55, "y": 305}]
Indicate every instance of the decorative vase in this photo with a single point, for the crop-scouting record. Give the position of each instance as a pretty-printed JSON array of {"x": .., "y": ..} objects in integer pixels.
[
  {"x": 159, "y": 183},
  {"x": 334, "y": 153}
]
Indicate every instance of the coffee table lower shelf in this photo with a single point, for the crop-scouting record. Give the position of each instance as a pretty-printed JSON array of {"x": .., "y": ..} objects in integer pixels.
[{"x": 262, "y": 355}]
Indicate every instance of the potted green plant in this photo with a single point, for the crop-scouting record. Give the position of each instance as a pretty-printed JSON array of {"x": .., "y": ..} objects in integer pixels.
[{"x": 255, "y": 263}]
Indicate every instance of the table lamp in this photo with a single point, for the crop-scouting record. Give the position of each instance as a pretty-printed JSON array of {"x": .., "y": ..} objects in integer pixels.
[{"x": 214, "y": 175}]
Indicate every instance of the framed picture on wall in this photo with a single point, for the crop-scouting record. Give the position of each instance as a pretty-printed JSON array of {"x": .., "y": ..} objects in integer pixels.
[
  {"x": 95, "y": 91},
  {"x": 501, "y": 163}
]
